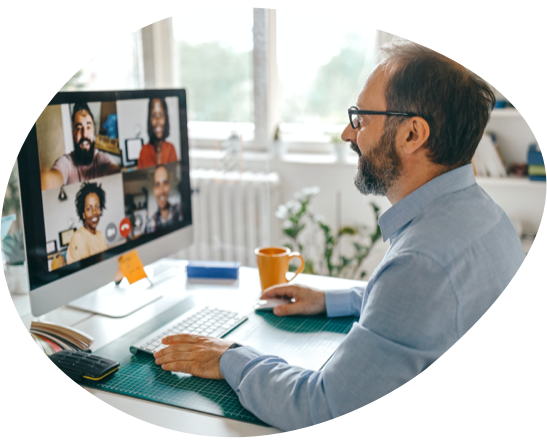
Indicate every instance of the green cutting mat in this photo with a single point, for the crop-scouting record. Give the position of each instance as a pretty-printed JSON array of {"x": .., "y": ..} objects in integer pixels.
[{"x": 304, "y": 341}]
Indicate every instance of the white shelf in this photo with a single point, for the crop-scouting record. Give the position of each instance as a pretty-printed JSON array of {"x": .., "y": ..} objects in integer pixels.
[
  {"x": 515, "y": 182},
  {"x": 512, "y": 134}
]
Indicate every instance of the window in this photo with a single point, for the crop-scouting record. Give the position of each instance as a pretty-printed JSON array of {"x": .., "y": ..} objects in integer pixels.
[
  {"x": 118, "y": 67},
  {"x": 296, "y": 78},
  {"x": 214, "y": 62},
  {"x": 320, "y": 80}
]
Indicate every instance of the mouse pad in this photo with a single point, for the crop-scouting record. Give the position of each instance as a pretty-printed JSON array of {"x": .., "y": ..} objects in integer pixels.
[{"x": 303, "y": 341}]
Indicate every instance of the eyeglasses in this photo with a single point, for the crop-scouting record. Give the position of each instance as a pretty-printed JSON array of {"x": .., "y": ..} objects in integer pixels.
[{"x": 352, "y": 111}]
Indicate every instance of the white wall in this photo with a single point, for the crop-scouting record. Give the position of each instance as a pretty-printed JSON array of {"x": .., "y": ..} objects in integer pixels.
[{"x": 521, "y": 199}]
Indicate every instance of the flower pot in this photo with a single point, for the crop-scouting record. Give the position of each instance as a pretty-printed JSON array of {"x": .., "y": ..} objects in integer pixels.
[
  {"x": 340, "y": 151},
  {"x": 17, "y": 278}
]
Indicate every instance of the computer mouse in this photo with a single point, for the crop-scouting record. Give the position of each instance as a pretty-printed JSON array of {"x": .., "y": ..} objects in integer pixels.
[{"x": 269, "y": 304}]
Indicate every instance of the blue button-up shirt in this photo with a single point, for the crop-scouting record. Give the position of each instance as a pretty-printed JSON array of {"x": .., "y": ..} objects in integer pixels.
[{"x": 452, "y": 252}]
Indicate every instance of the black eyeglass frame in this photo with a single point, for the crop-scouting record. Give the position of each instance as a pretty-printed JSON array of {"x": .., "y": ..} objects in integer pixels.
[{"x": 355, "y": 111}]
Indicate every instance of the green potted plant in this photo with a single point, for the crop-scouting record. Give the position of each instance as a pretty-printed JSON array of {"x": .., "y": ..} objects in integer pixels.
[
  {"x": 13, "y": 247},
  {"x": 321, "y": 255}
]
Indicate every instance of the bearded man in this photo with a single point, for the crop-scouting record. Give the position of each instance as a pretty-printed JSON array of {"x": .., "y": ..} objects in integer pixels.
[
  {"x": 415, "y": 126},
  {"x": 167, "y": 213},
  {"x": 85, "y": 162}
]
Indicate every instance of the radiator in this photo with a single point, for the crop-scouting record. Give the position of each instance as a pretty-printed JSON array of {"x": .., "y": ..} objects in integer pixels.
[{"x": 232, "y": 214}]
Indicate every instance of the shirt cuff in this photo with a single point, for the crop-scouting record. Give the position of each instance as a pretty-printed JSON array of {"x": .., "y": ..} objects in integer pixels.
[
  {"x": 233, "y": 361},
  {"x": 339, "y": 302}
]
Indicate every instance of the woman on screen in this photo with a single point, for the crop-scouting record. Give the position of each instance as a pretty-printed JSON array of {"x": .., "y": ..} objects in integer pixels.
[
  {"x": 87, "y": 240},
  {"x": 158, "y": 150}
]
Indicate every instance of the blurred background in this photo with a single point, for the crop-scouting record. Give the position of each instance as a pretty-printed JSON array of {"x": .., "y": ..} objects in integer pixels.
[{"x": 268, "y": 93}]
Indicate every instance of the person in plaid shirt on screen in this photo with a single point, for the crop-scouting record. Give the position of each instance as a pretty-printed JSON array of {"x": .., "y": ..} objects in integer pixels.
[{"x": 167, "y": 213}]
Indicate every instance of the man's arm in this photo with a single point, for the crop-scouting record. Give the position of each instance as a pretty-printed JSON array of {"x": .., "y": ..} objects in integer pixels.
[
  {"x": 408, "y": 322},
  {"x": 58, "y": 175},
  {"x": 112, "y": 169},
  {"x": 107, "y": 164},
  {"x": 51, "y": 179},
  {"x": 308, "y": 301}
]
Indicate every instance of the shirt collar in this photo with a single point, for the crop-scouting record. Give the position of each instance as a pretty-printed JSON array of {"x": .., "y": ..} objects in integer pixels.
[
  {"x": 412, "y": 205},
  {"x": 169, "y": 208}
]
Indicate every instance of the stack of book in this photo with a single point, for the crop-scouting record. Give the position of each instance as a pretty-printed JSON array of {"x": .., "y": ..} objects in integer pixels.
[
  {"x": 52, "y": 338},
  {"x": 536, "y": 166},
  {"x": 488, "y": 160}
]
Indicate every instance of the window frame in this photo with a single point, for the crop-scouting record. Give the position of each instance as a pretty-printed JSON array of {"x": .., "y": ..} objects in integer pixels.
[{"x": 258, "y": 135}]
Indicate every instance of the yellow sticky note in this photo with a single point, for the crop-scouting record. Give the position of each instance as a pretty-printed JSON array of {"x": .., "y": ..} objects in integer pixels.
[{"x": 132, "y": 267}]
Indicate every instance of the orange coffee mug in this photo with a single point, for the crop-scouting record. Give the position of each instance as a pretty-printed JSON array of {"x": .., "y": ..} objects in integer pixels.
[{"x": 273, "y": 264}]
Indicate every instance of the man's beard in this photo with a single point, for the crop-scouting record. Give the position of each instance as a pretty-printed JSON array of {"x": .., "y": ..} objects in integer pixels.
[
  {"x": 379, "y": 168},
  {"x": 84, "y": 157}
]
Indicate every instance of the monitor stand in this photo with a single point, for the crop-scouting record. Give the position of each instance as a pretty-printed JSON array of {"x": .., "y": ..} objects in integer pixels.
[{"x": 119, "y": 300}]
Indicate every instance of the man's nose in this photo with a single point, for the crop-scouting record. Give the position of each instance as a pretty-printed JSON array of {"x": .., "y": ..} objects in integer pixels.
[{"x": 348, "y": 135}]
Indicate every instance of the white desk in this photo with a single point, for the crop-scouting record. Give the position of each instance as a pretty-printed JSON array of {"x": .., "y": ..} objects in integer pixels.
[{"x": 239, "y": 294}]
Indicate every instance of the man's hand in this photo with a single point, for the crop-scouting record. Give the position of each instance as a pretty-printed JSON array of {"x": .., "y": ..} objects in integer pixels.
[
  {"x": 51, "y": 179},
  {"x": 307, "y": 301},
  {"x": 112, "y": 169},
  {"x": 193, "y": 354}
]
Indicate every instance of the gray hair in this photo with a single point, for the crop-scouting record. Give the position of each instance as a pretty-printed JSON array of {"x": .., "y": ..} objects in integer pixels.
[{"x": 455, "y": 102}]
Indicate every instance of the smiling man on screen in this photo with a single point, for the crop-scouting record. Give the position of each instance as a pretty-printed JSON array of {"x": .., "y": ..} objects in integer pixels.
[
  {"x": 167, "y": 213},
  {"x": 85, "y": 162},
  {"x": 415, "y": 126}
]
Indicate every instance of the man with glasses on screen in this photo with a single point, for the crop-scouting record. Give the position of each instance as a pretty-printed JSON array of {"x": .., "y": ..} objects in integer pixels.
[
  {"x": 85, "y": 162},
  {"x": 415, "y": 127}
]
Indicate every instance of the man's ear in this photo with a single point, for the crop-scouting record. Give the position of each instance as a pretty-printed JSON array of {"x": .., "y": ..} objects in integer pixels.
[{"x": 415, "y": 133}]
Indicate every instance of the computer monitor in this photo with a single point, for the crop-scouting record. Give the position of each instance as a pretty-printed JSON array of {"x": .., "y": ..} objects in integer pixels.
[{"x": 88, "y": 196}]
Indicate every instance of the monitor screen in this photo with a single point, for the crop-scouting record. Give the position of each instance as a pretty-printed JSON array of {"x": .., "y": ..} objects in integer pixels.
[{"x": 102, "y": 173}]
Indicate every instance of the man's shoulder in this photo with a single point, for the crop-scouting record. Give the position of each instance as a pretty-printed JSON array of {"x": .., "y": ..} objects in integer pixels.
[
  {"x": 102, "y": 158},
  {"x": 65, "y": 160},
  {"x": 151, "y": 222},
  {"x": 454, "y": 223},
  {"x": 469, "y": 211},
  {"x": 177, "y": 211}
]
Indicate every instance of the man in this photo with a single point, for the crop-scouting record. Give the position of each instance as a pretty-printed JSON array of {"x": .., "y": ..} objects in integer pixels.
[
  {"x": 452, "y": 251},
  {"x": 87, "y": 240},
  {"x": 166, "y": 214},
  {"x": 84, "y": 162}
]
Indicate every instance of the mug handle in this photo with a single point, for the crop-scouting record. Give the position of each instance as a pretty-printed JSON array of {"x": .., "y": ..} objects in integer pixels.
[{"x": 300, "y": 269}]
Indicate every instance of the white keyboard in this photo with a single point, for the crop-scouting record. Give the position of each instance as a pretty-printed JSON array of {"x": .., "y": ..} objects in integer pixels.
[{"x": 210, "y": 322}]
